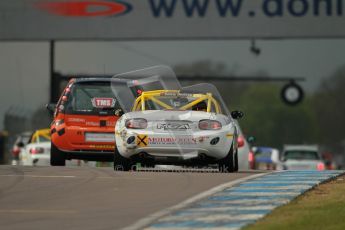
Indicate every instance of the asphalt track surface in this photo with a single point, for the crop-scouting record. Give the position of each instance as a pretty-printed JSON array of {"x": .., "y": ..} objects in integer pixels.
[{"x": 94, "y": 198}]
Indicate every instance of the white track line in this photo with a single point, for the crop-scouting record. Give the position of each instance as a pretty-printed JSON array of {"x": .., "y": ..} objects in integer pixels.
[
  {"x": 261, "y": 194},
  {"x": 214, "y": 218},
  {"x": 252, "y": 201},
  {"x": 290, "y": 187},
  {"x": 191, "y": 228},
  {"x": 37, "y": 176},
  {"x": 37, "y": 211}
]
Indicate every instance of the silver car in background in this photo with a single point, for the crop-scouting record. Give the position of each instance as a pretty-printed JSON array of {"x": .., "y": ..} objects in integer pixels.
[{"x": 302, "y": 157}]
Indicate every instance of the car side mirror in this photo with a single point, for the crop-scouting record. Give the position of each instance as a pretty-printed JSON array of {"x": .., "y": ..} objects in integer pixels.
[
  {"x": 51, "y": 108},
  {"x": 237, "y": 114},
  {"x": 251, "y": 139}
]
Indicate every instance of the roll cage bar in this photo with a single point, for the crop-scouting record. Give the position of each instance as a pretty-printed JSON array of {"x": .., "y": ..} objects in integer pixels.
[
  {"x": 42, "y": 132},
  {"x": 139, "y": 104}
]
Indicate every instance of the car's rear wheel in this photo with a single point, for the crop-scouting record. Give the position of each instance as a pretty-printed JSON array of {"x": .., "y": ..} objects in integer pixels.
[
  {"x": 121, "y": 163},
  {"x": 236, "y": 161},
  {"x": 226, "y": 165},
  {"x": 57, "y": 157}
]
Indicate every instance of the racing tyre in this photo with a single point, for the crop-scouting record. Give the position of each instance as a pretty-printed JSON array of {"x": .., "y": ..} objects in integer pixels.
[
  {"x": 121, "y": 163},
  {"x": 226, "y": 165},
  {"x": 57, "y": 157}
]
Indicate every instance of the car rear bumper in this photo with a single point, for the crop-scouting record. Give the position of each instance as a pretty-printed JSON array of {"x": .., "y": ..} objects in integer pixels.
[
  {"x": 184, "y": 153},
  {"x": 150, "y": 159},
  {"x": 74, "y": 139},
  {"x": 37, "y": 159},
  {"x": 106, "y": 155},
  {"x": 180, "y": 147}
]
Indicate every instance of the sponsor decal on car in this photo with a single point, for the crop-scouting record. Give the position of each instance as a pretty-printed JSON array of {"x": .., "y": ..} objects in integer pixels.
[
  {"x": 142, "y": 140},
  {"x": 175, "y": 94},
  {"x": 229, "y": 135},
  {"x": 172, "y": 140},
  {"x": 92, "y": 123},
  {"x": 99, "y": 137},
  {"x": 98, "y": 102},
  {"x": 173, "y": 126},
  {"x": 75, "y": 119},
  {"x": 203, "y": 138}
]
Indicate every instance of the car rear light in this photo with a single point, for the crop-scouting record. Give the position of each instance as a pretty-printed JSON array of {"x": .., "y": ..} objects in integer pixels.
[
  {"x": 15, "y": 151},
  {"x": 321, "y": 166},
  {"x": 209, "y": 125},
  {"x": 251, "y": 160},
  {"x": 59, "y": 122},
  {"x": 36, "y": 150},
  {"x": 136, "y": 123},
  {"x": 240, "y": 141},
  {"x": 61, "y": 108}
]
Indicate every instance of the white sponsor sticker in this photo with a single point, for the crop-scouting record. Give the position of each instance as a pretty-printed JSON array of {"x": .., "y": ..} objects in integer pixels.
[
  {"x": 172, "y": 140},
  {"x": 99, "y": 102},
  {"x": 75, "y": 119},
  {"x": 100, "y": 137}
]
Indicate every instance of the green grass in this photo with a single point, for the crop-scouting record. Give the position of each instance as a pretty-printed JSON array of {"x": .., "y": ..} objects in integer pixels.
[{"x": 320, "y": 208}]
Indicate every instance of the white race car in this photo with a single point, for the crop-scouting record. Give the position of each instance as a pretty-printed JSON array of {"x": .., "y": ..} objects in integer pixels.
[
  {"x": 37, "y": 151},
  {"x": 190, "y": 126}
]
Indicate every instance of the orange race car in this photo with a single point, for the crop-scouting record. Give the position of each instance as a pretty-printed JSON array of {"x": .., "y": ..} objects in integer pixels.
[{"x": 84, "y": 121}]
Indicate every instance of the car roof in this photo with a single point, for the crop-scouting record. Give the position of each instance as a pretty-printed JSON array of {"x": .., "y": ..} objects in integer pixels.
[
  {"x": 26, "y": 133},
  {"x": 301, "y": 147},
  {"x": 93, "y": 79}
]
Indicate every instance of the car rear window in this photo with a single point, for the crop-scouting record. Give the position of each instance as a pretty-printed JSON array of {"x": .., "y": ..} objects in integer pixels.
[
  {"x": 82, "y": 95},
  {"x": 301, "y": 155}
]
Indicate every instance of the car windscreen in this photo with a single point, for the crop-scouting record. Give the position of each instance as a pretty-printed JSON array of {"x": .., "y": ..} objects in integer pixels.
[
  {"x": 128, "y": 86},
  {"x": 91, "y": 97},
  {"x": 301, "y": 155},
  {"x": 207, "y": 88}
]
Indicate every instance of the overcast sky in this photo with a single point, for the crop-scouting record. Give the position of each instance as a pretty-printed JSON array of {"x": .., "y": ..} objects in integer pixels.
[{"x": 24, "y": 67}]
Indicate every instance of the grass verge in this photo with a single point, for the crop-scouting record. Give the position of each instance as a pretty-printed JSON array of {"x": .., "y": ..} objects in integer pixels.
[{"x": 321, "y": 208}]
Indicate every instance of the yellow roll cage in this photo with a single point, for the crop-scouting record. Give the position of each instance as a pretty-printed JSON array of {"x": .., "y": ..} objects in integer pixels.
[
  {"x": 139, "y": 103},
  {"x": 41, "y": 132}
]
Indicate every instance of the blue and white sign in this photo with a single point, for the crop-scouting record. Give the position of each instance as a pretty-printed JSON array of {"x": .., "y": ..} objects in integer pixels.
[{"x": 170, "y": 19}]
